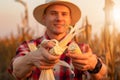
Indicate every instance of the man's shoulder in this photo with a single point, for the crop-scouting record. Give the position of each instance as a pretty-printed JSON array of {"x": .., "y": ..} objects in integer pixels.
[
  {"x": 37, "y": 40},
  {"x": 25, "y": 46}
]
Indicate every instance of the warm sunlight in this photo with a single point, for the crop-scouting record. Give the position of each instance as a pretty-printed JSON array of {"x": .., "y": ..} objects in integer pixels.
[{"x": 116, "y": 13}]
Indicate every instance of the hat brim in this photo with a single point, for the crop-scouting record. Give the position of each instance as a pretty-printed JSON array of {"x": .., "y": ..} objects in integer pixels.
[{"x": 75, "y": 11}]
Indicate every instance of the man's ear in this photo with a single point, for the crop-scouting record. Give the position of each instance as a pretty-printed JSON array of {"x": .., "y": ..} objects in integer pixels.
[{"x": 43, "y": 19}]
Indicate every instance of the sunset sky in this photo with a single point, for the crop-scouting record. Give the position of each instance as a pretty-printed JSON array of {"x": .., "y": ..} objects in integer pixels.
[{"x": 11, "y": 12}]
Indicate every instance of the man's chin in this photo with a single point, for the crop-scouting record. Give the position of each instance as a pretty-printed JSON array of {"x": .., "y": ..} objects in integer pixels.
[{"x": 58, "y": 33}]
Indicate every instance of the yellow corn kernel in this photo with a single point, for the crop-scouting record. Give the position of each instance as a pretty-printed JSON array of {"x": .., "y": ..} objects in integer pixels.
[{"x": 74, "y": 48}]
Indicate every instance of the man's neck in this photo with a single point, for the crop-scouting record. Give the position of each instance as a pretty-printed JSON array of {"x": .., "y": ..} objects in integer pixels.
[{"x": 56, "y": 36}]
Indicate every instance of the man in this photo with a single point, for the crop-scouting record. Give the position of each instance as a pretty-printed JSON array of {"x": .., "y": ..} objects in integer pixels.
[{"x": 57, "y": 16}]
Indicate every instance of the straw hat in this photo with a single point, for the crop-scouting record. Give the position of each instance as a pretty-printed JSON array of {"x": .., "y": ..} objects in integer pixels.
[{"x": 75, "y": 11}]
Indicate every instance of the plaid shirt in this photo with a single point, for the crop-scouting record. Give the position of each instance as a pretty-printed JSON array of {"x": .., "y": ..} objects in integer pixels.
[{"x": 61, "y": 73}]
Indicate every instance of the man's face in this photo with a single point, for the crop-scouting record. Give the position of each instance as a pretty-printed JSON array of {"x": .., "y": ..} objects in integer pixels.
[{"x": 57, "y": 19}]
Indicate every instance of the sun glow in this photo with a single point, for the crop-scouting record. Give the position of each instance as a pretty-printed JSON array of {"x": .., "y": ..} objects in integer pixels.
[{"x": 116, "y": 14}]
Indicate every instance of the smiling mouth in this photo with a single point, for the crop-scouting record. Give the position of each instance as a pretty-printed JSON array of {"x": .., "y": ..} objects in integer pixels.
[{"x": 59, "y": 25}]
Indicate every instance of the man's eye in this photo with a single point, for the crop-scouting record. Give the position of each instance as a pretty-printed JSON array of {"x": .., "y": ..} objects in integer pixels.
[
  {"x": 64, "y": 14},
  {"x": 53, "y": 13}
]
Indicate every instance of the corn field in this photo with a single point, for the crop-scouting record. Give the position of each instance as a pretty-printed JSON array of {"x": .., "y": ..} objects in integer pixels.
[
  {"x": 8, "y": 47},
  {"x": 106, "y": 46}
]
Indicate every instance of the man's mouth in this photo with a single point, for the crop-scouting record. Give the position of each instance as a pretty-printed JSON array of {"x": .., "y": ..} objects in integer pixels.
[{"x": 59, "y": 25}]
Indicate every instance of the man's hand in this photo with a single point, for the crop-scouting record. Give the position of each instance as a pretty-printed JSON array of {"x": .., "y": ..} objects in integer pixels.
[
  {"x": 42, "y": 59},
  {"x": 84, "y": 61}
]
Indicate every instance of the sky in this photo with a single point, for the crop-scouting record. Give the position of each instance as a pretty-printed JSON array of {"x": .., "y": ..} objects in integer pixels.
[{"x": 11, "y": 12}]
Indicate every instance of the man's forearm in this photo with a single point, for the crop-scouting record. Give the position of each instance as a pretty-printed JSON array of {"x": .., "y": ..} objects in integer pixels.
[
  {"x": 21, "y": 66},
  {"x": 102, "y": 74}
]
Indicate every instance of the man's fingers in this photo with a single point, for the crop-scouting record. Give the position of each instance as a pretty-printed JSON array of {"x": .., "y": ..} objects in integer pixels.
[
  {"x": 47, "y": 55},
  {"x": 81, "y": 67}
]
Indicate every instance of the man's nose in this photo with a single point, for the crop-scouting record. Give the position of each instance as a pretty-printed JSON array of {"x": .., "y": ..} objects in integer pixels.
[{"x": 59, "y": 16}]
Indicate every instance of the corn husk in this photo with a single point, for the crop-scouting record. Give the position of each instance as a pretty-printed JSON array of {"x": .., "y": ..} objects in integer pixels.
[{"x": 47, "y": 75}]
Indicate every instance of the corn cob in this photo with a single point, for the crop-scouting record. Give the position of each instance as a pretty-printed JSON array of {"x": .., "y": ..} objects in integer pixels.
[
  {"x": 74, "y": 48},
  {"x": 56, "y": 50}
]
